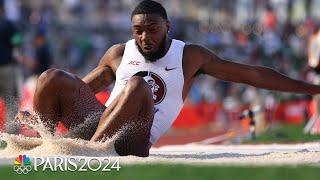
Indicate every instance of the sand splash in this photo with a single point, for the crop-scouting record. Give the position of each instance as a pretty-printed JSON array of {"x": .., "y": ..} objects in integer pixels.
[
  {"x": 50, "y": 145},
  {"x": 194, "y": 154}
]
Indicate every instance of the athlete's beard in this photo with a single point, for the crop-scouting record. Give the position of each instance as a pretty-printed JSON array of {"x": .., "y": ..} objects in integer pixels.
[{"x": 154, "y": 56}]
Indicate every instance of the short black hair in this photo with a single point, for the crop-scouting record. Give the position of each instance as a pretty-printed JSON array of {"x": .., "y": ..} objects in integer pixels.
[{"x": 150, "y": 7}]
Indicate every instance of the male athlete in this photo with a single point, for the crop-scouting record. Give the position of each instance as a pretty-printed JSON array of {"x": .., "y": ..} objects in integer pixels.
[{"x": 153, "y": 75}]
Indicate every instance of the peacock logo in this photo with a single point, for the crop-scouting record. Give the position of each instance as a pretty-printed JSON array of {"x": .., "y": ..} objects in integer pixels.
[{"x": 22, "y": 164}]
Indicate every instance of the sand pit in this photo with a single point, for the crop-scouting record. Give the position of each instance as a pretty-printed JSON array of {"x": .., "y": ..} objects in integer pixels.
[
  {"x": 271, "y": 154},
  {"x": 195, "y": 154}
]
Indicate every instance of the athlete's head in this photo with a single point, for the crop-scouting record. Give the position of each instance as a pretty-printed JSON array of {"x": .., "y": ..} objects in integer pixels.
[{"x": 150, "y": 25}]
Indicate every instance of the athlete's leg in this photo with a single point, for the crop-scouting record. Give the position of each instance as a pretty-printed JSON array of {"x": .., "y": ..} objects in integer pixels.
[
  {"x": 61, "y": 96},
  {"x": 133, "y": 111}
]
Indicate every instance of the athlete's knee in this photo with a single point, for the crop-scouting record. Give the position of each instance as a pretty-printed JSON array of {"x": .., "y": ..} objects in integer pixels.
[
  {"x": 138, "y": 85},
  {"x": 50, "y": 75},
  {"x": 55, "y": 77}
]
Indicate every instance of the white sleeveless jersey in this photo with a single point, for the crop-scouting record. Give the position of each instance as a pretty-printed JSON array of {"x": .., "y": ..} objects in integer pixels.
[{"x": 165, "y": 78}]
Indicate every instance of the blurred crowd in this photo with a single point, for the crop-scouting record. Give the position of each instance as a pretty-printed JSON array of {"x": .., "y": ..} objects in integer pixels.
[{"x": 74, "y": 34}]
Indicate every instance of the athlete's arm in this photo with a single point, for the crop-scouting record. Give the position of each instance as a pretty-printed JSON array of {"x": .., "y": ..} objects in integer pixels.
[
  {"x": 258, "y": 76},
  {"x": 103, "y": 75}
]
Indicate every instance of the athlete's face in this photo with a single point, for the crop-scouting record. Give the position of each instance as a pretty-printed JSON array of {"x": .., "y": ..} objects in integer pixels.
[{"x": 150, "y": 32}]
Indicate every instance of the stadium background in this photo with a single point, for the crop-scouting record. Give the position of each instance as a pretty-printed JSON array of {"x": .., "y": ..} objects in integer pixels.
[{"x": 272, "y": 33}]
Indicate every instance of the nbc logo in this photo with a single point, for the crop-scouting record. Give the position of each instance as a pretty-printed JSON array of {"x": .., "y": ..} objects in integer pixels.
[{"x": 22, "y": 164}]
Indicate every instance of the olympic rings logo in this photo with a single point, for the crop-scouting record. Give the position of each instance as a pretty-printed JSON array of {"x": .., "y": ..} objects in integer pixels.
[{"x": 22, "y": 169}]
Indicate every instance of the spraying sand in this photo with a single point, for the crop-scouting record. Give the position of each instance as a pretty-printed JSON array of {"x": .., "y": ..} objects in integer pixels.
[
  {"x": 51, "y": 145},
  {"x": 273, "y": 154},
  {"x": 195, "y": 154}
]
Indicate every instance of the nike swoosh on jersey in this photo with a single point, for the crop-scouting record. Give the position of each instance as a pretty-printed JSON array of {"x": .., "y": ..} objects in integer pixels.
[{"x": 169, "y": 69}]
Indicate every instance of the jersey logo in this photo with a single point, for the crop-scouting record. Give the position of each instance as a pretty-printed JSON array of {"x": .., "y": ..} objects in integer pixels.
[
  {"x": 156, "y": 83},
  {"x": 169, "y": 69},
  {"x": 135, "y": 63}
]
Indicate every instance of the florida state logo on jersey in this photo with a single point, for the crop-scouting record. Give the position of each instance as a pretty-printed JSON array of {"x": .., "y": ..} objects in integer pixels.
[{"x": 156, "y": 83}]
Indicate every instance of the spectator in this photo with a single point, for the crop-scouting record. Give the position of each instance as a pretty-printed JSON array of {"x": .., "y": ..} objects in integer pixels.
[
  {"x": 8, "y": 67},
  {"x": 42, "y": 57}
]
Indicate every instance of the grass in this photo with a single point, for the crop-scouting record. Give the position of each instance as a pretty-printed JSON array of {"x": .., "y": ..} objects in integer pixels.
[
  {"x": 2, "y": 144},
  {"x": 185, "y": 172},
  {"x": 285, "y": 134}
]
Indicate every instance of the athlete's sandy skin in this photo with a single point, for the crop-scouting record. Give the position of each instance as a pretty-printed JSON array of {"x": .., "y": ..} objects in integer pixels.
[{"x": 61, "y": 96}]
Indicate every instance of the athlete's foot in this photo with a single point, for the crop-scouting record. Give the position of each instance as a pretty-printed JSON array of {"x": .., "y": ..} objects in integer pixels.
[
  {"x": 26, "y": 121},
  {"x": 26, "y": 118}
]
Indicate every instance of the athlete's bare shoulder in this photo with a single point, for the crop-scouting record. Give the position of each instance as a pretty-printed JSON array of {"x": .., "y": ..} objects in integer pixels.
[
  {"x": 197, "y": 53},
  {"x": 194, "y": 56},
  {"x": 113, "y": 56}
]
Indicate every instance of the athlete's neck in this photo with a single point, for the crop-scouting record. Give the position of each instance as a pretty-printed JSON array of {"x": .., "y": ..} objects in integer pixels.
[{"x": 168, "y": 42}]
